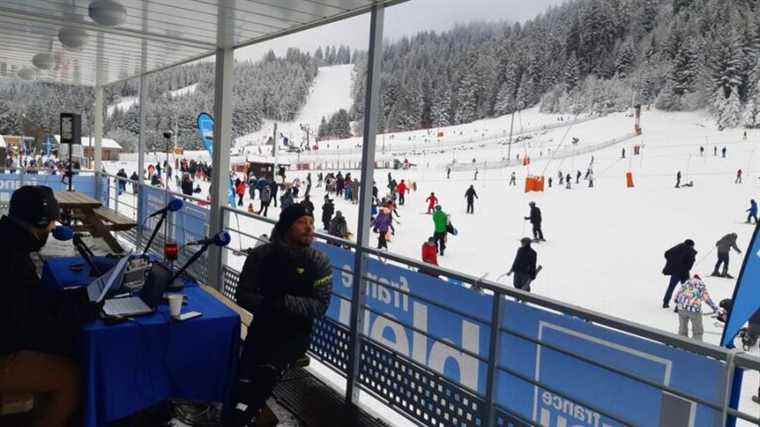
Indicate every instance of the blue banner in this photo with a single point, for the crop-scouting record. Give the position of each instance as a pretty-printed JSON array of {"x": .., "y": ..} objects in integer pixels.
[
  {"x": 206, "y": 128},
  {"x": 576, "y": 393},
  {"x": 746, "y": 298},
  {"x": 9, "y": 182}
]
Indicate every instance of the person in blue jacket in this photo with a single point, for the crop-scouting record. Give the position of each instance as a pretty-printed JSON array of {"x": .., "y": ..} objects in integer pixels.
[{"x": 752, "y": 211}]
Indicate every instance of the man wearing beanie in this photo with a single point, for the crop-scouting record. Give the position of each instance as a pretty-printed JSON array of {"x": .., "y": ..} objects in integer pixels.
[
  {"x": 286, "y": 284},
  {"x": 37, "y": 326}
]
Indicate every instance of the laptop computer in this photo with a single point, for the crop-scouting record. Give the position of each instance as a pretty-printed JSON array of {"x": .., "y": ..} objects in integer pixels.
[
  {"x": 99, "y": 288},
  {"x": 148, "y": 300}
]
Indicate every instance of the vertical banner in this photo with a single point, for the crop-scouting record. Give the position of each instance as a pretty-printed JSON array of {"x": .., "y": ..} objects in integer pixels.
[
  {"x": 205, "y": 125},
  {"x": 746, "y": 298}
]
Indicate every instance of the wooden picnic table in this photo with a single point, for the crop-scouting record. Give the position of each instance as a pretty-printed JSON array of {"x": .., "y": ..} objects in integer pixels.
[{"x": 96, "y": 219}]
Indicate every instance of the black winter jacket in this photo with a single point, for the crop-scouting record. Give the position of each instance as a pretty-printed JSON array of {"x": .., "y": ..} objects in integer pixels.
[
  {"x": 535, "y": 215},
  {"x": 286, "y": 289},
  {"x": 679, "y": 260},
  {"x": 525, "y": 262},
  {"x": 33, "y": 318}
]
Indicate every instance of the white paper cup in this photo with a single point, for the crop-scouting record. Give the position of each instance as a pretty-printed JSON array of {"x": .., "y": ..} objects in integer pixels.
[{"x": 175, "y": 304}]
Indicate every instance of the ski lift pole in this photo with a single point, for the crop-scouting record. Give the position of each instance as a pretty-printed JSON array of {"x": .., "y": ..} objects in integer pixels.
[{"x": 274, "y": 153}]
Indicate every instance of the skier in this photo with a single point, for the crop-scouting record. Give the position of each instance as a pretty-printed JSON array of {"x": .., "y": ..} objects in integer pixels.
[
  {"x": 429, "y": 255},
  {"x": 338, "y": 226},
  {"x": 590, "y": 177},
  {"x": 524, "y": 266},
  {"x": 578, "y": 177},
  {"x": 550, "y": 182},
  {"x": 568, "y": 181},
  {"x": 689, "y": 307},
  {"x": 513, "y": 179},
  {"x": 622, "y": 156},
  {"x": 401, "y": 189},
  {"x": 535, "y": 220},
  {"x": 471, "y": 195},
  {"x": 738, "y": 177},
  {"x": 274, "y": 187},
  {"x": 240, "y": 190},
  {"x": 327, "y": 211},
  {"x": 561, "y": 177},
  {"x": 701, "y": 151},
  {"x": 723, "y": 152},
  {"x": 448, "y": 173},
  {"x": 678, "y": 263},
  {"x": 432, "y": 201},
  {"x": 286, "y": 200},
  {"x": 383, "y": 224},
  {"x": 265, "y": 194},
  {"x": 678, "y": 179},
  {"x": 441, "y": 221},
  {"x": 752, "y": 211},
  {"x": 476, "y": 175},
  {"x": 308, "y": 205},
  {"x": 724, "y": 246},
  {"x": 715, "y": 151}
]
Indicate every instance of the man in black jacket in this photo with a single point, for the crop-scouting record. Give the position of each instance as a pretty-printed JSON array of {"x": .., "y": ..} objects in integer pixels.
[
  {"x": 524, "y": 266},
  {"x": 37, "y": 326},
  {"x": 471, "y": 195},
  {"x": 286, "y": 285},
  {"x": 535, "y": 220},
  {"x": 327, "y": 212},
  {"x": 679, "y": 261}
]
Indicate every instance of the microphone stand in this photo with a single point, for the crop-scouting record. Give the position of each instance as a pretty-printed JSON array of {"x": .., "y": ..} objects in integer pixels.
[
  {"x": 192, "y": 259},
  {"x": 155, "y": 231}
]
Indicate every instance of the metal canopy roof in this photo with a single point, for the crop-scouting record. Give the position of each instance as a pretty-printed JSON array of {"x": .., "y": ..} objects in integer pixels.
[{"x": 164, "y": 32}]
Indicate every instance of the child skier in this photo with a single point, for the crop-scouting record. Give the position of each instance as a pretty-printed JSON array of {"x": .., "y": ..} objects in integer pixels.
[
  {"x": 689, "y": 306},
  {"x": 752, "y": 211},
  {"x": 432, "y": 201}
]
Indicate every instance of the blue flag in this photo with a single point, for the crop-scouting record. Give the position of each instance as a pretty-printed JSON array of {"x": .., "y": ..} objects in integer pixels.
[
  {"x": 206, "y": 129},
  {"x": 746, "y": 299}
]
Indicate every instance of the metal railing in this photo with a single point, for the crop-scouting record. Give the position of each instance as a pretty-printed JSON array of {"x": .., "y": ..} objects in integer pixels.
[{"x": 331, "y": 337}]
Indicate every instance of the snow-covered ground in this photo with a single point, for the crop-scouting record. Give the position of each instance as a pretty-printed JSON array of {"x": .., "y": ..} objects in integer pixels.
[
  {"x": 331, "y": 91},
  {"x": 605, "y": 244},
  {"x": 187, "y": 90}
]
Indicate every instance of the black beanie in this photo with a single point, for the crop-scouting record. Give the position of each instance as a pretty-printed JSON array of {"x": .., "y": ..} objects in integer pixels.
[
  {"x": 288, "y": 216},
  {"x": 35, "y": 205}
]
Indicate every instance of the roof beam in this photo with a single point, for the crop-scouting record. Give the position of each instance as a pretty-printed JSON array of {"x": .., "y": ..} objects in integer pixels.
[{"x": 145, "y": 35}]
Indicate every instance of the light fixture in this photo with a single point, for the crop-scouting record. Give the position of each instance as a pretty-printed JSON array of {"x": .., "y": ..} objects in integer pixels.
[
  {"x": 72, "y": 37},
  {"x": 108, "y": 13},
  {"x": 43, "y": 61},
  {"x": 26, "y": 73}
]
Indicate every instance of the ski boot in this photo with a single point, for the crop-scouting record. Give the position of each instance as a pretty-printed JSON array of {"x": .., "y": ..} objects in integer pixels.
[
  {"x": 727, "y": 276},
  {"x": 715, "y": 274}
]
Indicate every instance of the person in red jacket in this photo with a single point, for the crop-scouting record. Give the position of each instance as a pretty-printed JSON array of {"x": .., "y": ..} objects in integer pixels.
[
  {"x": 240, "y": 190},
  {"x": 432, "y": 201},
  {"x": 401, "y": 189},
  {"x": 430, "y": 255}
]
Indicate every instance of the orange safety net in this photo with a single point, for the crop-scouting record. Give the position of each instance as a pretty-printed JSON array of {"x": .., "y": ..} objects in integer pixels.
[{"x": 534, "y": 183}]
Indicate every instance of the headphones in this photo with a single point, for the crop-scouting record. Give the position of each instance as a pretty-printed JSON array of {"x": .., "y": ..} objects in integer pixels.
[{"x": 42, "y": 209}]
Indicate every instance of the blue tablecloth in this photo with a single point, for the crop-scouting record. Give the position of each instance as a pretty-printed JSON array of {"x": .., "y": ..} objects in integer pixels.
[{"x": 131, "y": 366}]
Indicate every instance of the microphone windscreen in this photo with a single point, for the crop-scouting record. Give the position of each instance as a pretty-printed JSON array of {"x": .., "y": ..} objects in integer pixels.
[
  {"x": 63, "y": 233},
  {"x": 175, "y": 205},
  {"x": 222, "y": 239}
]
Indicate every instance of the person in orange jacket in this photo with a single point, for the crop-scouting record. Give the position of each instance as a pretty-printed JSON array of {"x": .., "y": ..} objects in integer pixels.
[
  {"x": 240, "y": 190},
  {"x": 401, "y": 189},
  {"x": 432, "y": 201}
]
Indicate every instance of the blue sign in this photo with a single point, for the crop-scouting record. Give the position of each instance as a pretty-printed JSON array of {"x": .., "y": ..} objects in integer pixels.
[
  {"x": 9, "y": 182},
  {"x": 746, "y": 298},
  {"x": 206, "y": 128},
  {"x": 576, "y": 393}
]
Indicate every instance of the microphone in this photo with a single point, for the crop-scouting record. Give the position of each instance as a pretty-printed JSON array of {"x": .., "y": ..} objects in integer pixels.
[
  {"x": 173, "y": 206},
  {"x": 63, "y": 233},
  {"x": 220, "y": 239}
]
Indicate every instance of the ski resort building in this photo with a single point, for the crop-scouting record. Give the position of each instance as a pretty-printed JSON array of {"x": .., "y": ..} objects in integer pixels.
[{"x": 397, "y": 346}]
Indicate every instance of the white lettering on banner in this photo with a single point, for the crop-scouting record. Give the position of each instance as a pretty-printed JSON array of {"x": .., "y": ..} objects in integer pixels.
[
  {"x": 564, "y": 410},
  {"x": 10, "y": 185},
  {"x": 440, "y": 352}
]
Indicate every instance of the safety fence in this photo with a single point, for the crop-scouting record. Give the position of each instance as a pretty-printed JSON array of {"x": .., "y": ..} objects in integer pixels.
[
  {"x": 453, "y": 349},
  {"x": 559, "y": 154}
]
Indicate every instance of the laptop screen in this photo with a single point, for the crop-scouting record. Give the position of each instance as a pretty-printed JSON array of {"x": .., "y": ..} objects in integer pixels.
[
  {"x": 156, "y": 284},
  {"x": 99, "y": 288}
]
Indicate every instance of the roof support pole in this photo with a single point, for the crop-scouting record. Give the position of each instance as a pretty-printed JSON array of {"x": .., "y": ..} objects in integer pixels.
[
  {"x": 371, "y": 111},
  {"x": 97, "y": 147},
  {"x": 142, "y": 142}
]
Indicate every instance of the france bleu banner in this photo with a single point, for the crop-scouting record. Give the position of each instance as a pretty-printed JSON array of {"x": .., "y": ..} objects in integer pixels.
[
  {"x": 205, "y": 125},
  {"x": 446, "y": 328},
  {"x": 746, "y": 298}
]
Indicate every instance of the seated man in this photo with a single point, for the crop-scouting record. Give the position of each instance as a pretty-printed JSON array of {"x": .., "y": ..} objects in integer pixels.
[
  {"x": 286, "y": 285},
  {"x": 37, "y": 326}
]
